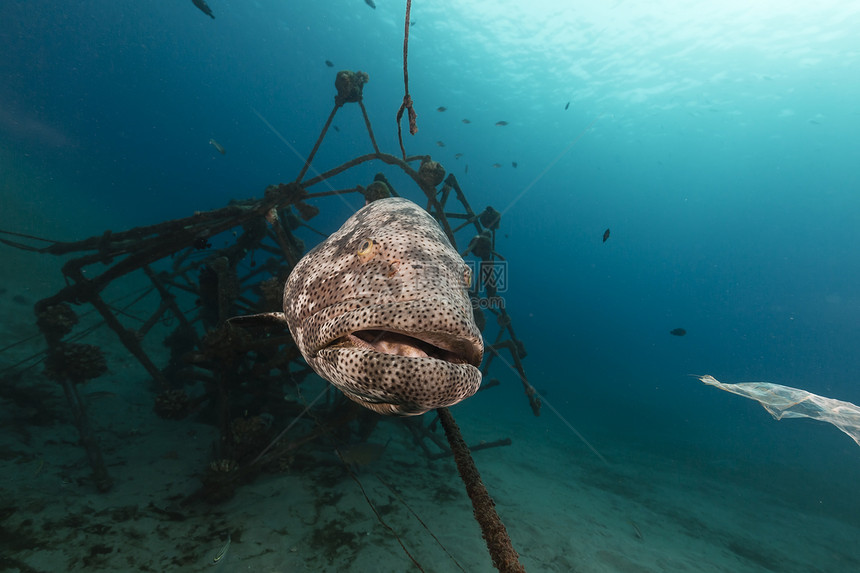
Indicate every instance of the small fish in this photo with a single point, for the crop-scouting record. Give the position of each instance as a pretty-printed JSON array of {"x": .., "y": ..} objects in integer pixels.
[
  {"x": 411, "y": 23},
  {"x": 514, "y": 164},
  {"x": 678, "y": 332},
  {"x": 501, "y": 123},
  {"x": 441, "y": 108},
  {"x": 217, "y": 146},
  {"x": 458, "y": 155},
  {"x": 370, "y": 3},
  {"x": 204, "y": 7},
  {"x": 467, "y": 169},
  {"x": 497, "y": 165},
  {"x": 567, "y": 105},
  {"x": 440, "y": 143},
  {"x": 605, "y": 235},
  {"x": 329, "y": 63},
  {"x": 222, "y": 552},
  {"x": 466, "y": 121},
  {"x": 336, "y": 128}
]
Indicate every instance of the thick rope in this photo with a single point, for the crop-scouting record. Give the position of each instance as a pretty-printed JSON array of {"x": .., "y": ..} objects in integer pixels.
[
  {"x": 505, "y": 557},
  {"x": 407, "y": 99}
]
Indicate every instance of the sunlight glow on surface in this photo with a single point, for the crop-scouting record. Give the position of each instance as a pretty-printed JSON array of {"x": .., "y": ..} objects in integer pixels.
[{"x": 633, "y": 52}]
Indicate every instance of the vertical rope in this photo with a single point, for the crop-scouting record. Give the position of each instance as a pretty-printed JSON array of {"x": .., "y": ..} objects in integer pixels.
[
  {"x": 504, "y": 556},
  {"x": 407, "y": 99}
]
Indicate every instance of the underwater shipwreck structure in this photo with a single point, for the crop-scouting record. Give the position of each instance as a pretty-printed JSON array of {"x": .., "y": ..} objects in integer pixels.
[{"x": 239, "y": 376}]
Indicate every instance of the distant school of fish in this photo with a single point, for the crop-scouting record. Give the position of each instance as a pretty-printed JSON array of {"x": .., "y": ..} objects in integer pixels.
[
  {"x": 201, "y": 4},
  {"x": 204, "y": 7},
  {"x": 500, "y": 123}
]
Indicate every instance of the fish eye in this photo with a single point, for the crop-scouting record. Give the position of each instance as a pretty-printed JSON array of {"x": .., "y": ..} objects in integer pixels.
[
  {"x": 365, "y": 248},
  {"x": 467, "y": 276}
]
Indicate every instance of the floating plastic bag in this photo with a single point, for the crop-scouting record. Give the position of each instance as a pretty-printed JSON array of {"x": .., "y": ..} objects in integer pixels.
[{"x": 787, "y": 402}]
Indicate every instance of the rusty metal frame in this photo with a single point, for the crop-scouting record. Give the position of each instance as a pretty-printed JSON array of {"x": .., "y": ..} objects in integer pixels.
[{"x": 176, "y": 255}]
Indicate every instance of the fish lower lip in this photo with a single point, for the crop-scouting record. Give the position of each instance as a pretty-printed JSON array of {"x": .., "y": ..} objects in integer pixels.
[{"x": 399, "y": 344}]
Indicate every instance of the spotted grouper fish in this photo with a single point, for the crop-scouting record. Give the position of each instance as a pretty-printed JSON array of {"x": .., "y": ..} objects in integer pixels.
[{"x": 380, "y": 309}]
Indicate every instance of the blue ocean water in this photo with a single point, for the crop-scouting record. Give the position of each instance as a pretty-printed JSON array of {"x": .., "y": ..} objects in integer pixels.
[{"x": 718, "y": 143}]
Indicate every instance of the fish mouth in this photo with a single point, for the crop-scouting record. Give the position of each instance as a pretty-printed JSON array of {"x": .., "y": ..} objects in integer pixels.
[
  {"x": 402, "y": 358},
  {"x": 433, "y": 345}
]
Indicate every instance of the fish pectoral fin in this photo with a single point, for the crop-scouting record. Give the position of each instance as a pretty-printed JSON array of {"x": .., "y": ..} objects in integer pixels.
[{"x": 262, "y": 320}]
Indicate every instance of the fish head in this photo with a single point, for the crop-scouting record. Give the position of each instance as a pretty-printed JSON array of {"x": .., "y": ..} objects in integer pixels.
[{"x": 381, "y": 310}]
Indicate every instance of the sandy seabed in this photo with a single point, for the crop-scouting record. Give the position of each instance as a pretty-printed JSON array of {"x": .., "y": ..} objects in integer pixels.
[{"x": 565, "y": 509}]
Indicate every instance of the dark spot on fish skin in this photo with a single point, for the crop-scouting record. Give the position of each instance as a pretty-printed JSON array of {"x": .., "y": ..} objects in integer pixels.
[
  {"x": 501, "y": 123},
  {"x": 441, "y": 108},
  {"x": 678, "y": 332},
  {"x": 329, "y": 63}
]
